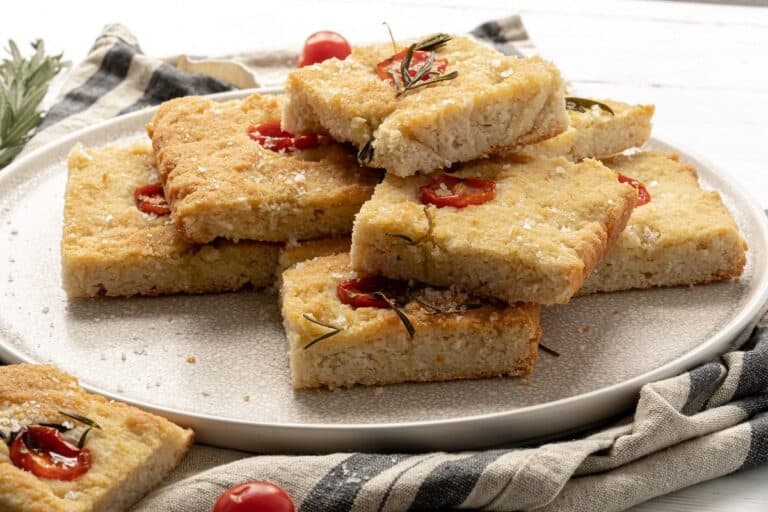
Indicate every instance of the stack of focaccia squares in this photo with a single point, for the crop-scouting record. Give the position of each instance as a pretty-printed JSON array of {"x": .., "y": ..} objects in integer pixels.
[{"x": 474, "y": 190}]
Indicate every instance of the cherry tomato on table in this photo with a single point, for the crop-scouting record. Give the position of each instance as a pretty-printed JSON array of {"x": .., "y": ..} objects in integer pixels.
[
  {"x": 447, "y": 190},
  {"x": 256, "y": 496},
  {"x": 44, "y": 453},
  {"x": 324, "y": 45}
]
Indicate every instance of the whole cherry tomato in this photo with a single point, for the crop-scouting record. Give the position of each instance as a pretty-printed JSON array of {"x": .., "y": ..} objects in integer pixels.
[
  {"x": 643, "y": 196},
  {"x": 324, "y": 45},
  {"x": 44, "y": 453},
  {"x": 447, "y": 190},
  {"x": 256, "y": 496}
]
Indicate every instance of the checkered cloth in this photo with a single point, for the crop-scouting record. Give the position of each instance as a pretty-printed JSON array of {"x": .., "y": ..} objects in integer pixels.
[{"x": 700, "y": 425}]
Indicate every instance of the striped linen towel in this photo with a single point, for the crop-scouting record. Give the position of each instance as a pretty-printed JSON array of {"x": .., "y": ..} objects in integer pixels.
[{"x": 697, "y": 426}]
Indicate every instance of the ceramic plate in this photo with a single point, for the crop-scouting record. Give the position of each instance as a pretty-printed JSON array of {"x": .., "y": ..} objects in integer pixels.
[{"x": 237, "y": 393}]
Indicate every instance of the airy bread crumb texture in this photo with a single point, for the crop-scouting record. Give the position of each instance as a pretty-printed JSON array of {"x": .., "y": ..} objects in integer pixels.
[
  {"x": 539, "y": 238},
  {"x": 110, "y": 247},
  {"x": 221, "y": 183},
  {"x": 684, "y": 236},
  {"x": 131, "y": 453},
  {"x": 373, "y": 347},
  {"x": 496, "y": 102},
  {"x": 596, "y": 133}
]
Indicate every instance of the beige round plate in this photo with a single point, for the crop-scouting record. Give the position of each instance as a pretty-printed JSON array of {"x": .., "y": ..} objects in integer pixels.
[{"x": 237, "y": 393}]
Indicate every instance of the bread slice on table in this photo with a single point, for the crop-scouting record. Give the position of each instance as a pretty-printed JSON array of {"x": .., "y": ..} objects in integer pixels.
[
  {"x": 595, "y": 132},
  {"x": 495, "y": 102},
  {"x": 683, "y": 236},
  {"x": 455, "y": 336},
  {"x": 130, "y": 451},
  {"x": 546, "y": 229},
  {"x": 220, "y": 182},
  {"x": 110, "y": 247}
]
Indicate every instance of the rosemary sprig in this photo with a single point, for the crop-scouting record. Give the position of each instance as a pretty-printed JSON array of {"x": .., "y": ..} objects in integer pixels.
[
  {"x": 334, "y": 330},
  {"x": 549, "y": 351},
  {"x": 391, "y": 37},
  {"x": 81, "y": 442},
  {"x": 365, "y": 155},
  {"x": 400, "y": 313},
  {"x": 82, "y": 419},
  {"x": 583, "y": 104},
  {"x": 423, "y": 83},
  {"x": 424, "y": 75},
  {"x": 405, "y": 238},
  {"x": 436, "y": 310},
  {"x": 23, "y": 85},
  {"x": 433, "y": 42}
]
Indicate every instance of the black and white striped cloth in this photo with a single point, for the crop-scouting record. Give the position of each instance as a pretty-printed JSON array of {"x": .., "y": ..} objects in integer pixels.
[{"x": 700, "y": 425}]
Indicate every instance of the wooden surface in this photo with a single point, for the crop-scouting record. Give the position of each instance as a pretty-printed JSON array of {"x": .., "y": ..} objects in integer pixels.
[{"x": 702, "y": 65}]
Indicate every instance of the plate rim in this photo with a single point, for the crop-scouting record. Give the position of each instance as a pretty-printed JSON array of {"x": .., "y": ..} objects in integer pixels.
[{"x": 747, "y": 316}]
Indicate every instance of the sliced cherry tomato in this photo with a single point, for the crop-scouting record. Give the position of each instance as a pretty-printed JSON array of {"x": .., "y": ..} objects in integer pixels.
[
  {"x": 643, "y": 197},
  {"x": 44, "y": 453},
  {"x": 324, "y": 45},
  {"x": 151, "y": 199},
  {"x": 447, "y": 190},
  {"x": 386, "y": 68},
  {"x": 272, "y": 137},
  {"x": 254, "y": 496},
  {"x": 364, "y": 292}
]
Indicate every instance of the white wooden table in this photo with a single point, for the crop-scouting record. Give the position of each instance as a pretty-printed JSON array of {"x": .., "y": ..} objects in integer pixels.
[{"x": 704, "y": 66}]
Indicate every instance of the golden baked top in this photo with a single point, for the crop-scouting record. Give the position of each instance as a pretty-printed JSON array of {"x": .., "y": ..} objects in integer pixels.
[
  {"x": 550, "y": 214},
  {"x": 310, "y": 288},
  {"x": 679, "y": 210},
  {"x": 209, "y": 163},
  {"x": 101, "y": 219}
]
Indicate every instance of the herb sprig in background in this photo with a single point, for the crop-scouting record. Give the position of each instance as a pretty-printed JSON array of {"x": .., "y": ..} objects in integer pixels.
[{"x": 24, "y": 81}]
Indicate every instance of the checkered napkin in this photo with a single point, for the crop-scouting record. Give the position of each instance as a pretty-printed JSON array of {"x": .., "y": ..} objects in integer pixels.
[{"x": 700, "y": 425}]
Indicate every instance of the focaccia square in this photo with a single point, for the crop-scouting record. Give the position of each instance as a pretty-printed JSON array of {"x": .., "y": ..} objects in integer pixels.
[
  {"x": 597, "y": 133},
  {"x": 455, "y": 336},
  {"x": 543, "y": 233},
  {"x": 110, "y": 247},
  {"x": 130, "y": 451},
  {"x": 683, "y": 236},
  {"x": 219, "y": 182},
  {"x": 495, "y": 102}
]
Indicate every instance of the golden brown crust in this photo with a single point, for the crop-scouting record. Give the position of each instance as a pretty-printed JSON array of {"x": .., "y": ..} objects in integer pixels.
[
  {"x": 373, "y": 346},
  {"x": 110, "y": 247},
  {"x": 131, "y": 453},
  {"x": 546, "y": 230},
  {"x": 220, "y": 183},
  {"x": 684, "y": 236},
  {"x": 496, "y": 102}
]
